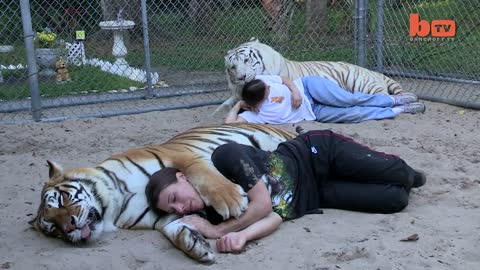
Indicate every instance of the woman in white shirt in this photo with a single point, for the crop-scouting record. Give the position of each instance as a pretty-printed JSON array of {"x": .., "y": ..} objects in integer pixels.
[{"x": 277, "y": 100}]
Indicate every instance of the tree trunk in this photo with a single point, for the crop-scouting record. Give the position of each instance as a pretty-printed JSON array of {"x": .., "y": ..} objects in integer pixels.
[
  {"x": 277, "y": 16},
  {"x": 201, "y": 13},
  {"x": 316, "y": 16}
]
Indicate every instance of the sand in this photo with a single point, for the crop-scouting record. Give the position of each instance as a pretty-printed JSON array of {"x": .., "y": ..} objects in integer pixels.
[{"x": 445, "y": 213}]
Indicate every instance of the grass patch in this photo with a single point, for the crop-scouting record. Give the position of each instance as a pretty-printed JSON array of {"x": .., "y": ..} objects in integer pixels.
[
  {"x": 203, "y": 55},
  {"x": 191, "y": 51},
  {"x": 83, "y": 79}
]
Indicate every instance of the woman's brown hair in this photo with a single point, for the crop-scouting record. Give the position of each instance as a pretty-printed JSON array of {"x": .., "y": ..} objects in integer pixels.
[
  {"x": 159, "y": 181},
  {"x": 254, "y": 92}
]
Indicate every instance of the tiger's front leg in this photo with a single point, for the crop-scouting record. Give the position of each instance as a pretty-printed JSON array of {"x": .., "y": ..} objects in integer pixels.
[
  {"x": 225, "y": 107},
  {"x": 227, "y": 198},
  {"x": 189, "y": 241}
]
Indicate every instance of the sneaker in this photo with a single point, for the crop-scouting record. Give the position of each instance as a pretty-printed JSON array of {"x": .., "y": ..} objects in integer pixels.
[
  {"x": 404, "y": 98},
  {"x": 413, "y": 108},
  {"x": 419, "y": 179}
]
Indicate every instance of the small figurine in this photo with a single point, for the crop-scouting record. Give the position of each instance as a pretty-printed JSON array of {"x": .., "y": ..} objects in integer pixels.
[{"x": 62, "y": 71}]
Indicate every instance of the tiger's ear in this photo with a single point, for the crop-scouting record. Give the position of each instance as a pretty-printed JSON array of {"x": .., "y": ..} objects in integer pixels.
[
  {"x": 227, "y": 56},
  {"x": 34, "y": 223},
  {"x": 254, "y": 39},
  {"x": 54, "y": 170}
]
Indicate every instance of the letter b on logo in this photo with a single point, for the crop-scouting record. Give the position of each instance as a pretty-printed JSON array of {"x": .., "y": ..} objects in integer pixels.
[{"x": 418, "y": 27}]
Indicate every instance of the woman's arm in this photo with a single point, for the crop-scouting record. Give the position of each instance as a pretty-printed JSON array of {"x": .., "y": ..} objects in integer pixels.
[
  {"x": 259, "y": 206},
  {"x": 296, "y": 96},
  {"x": 232, "y": 116},
  {"x": 235, "y": 241}
]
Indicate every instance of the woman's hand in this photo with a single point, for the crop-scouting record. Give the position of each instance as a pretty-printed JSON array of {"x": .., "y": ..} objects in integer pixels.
[
  {"x": 296, "y": 99},
  {"x": 296, "y": 96},
  {"x": 202, "y": 225},
  {"x": 233, "y": 242}
]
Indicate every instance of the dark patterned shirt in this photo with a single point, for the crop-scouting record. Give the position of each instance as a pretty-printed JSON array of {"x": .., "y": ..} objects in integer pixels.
[{"x": 279, "y": 170}]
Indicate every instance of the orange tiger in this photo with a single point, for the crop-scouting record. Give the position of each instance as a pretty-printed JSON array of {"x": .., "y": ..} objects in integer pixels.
[{"x": 80, "y": 204}]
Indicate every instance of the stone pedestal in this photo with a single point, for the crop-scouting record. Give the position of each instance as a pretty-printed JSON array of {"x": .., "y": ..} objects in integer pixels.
[{"x": 119, "y": 50}]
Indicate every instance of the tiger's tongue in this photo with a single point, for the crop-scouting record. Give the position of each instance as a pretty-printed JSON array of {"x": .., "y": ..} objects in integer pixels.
[{"x": 85, "y": 232}]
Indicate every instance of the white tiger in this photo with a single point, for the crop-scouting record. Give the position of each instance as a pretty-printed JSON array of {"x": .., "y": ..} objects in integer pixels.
[{"x": 253, "y": 58}]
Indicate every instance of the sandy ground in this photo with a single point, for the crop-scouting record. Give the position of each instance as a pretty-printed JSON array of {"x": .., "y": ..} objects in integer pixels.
[{"x": 444, "y": 213}]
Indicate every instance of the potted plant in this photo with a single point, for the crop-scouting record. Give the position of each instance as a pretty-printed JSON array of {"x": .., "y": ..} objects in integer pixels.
[{"x": 47, "y": 51}]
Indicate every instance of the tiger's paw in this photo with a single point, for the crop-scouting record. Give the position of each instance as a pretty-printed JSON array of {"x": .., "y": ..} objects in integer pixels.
[
  {"x": 189, "y": 241},
  {"x": 229, "y": 200}
]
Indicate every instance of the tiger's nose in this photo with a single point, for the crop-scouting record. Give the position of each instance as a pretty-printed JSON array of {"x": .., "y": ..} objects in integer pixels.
[
  {"x": 69, "y": 227},
  {"x": 242, "y": 78}
]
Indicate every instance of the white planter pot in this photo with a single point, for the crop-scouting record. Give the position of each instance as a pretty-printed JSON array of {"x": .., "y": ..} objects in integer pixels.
[{"x": 46, "y": 59}]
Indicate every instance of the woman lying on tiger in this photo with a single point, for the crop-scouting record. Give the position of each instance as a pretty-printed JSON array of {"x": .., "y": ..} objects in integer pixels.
[
  {"x": 277, "y": 100},
  {"x": 343, "y": 174}
]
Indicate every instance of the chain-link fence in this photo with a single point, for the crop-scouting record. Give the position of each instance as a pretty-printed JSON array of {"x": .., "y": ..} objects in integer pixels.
[
  {"x": 170, "y": 53},
  {"x": 431, "y": 46}
]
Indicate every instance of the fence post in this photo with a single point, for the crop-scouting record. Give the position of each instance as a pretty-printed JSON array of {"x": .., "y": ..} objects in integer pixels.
[
  {"x": 379, "y": 35},
  {"x": 355, "y": 33},
  {"x": 31, "y": 62},
  {"x": 362, "y": 33},
  {"x": 146, "y": 48}
]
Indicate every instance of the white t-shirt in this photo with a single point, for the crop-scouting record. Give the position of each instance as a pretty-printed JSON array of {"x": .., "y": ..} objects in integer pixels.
[{"x": 277, "y": 108}]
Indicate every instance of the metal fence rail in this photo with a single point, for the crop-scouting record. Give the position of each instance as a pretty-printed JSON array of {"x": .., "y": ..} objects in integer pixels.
[{"x": 172, "y": 51}]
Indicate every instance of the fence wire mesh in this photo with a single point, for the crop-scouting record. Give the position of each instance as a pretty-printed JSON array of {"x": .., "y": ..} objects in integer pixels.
[
  {"x": 180, "y": 59},
  {"x": 425, "y": 52}
]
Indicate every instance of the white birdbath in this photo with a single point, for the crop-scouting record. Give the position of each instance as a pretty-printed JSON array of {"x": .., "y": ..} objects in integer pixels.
[{"x": 118, "y": 50}]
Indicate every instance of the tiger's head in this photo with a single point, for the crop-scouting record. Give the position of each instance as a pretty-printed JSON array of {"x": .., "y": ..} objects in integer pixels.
[
  {"x": 68, "y": 209},
  {"x": 242, "y": 64},
  {"x": 247, "y": 60}
]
